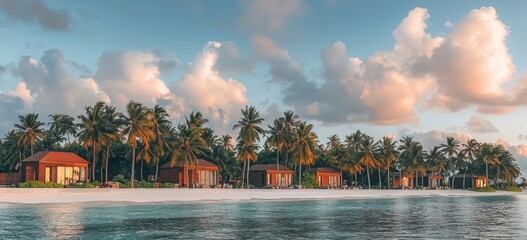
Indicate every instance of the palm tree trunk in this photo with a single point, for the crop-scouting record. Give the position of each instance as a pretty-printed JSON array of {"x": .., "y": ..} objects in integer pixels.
[
  {"x": 423, "y": 180},
  {"x": 464, "y": 177},
  {"x": 300, "y": 175},
  {"x": 388, "y": 178},
  {"x": 278, "y": 169},
  {"x": 487, "y": 172},
  {"x": 341, "y": 178},
  {"x": 157, "y": 169},
  {"x": 188, "y": 178},
  {"x": 243, "y": 173},
  {"x": 31, "y": 149},
  {"x": 248, "y": 165},
  {"x": 416, "y": 180},
  {"x": 401, "y": 179},
  {"x": 142, "y": 179},
  {"x": 102, "y": 165},
  {"x": 453, "y": 177},
  {"x": 107, "y": 158},
  {"x": 368, "y": 173},
  {"x": 94, "y": 162},
  {"x": 133, "y": 168},
  {"x": 429, "y": 182},
  {"x": 380, "y": 184}
]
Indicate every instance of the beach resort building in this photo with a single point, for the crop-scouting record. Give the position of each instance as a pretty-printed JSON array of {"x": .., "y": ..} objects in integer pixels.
[
  {"x": 262, "y": 175},
  {"x": 471, "y": 181},
  {"x": 60, "y": 167},
  {"x": 408, "y": 180},
  {"x": 327, "y": 177},
  {"x": 204, "y": 174}
]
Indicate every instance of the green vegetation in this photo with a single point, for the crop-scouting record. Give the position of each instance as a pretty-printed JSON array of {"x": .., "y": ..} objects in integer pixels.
[
  {"x": 37, "y": 184},
  {"x": 167, "y": 185},
  {"x": 143, "y": 138},
  {"x": 309, "y": 181},
  {"x": 85, "y": 185},
  {"x": 485, "y": 189},
  {"x": 512, "y": 188}
]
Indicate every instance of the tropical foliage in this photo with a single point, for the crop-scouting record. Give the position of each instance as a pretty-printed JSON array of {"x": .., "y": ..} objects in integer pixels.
[{"x": 145, "y": 138}]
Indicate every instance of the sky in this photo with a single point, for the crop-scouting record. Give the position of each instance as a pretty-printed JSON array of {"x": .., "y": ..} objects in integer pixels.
[{"x": 428, "y": 69}]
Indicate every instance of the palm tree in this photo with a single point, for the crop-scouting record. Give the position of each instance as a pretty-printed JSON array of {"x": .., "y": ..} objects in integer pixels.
[
  {"x": 451, "y": 149},
  {"x": 196, "y": 120},
  {"x": 469, "y": 152},
  {"x": 413, "y": 161},
  {"x": 435, "y": 160},
  {"x": 304, "y": 143},
  {"x": 161, "y": 127},
  {"x": 487, "y": 155},
  {"x": 94, "y": 131},
  {"x": 187, "y": 146},
  {"x": 291, "y": 121},
  {"x": 31, "y": 129},
  {"x": 367, "y": 156},
  {"x": 11, "y": 150},
  {"x": 62, "y": 124},
  {"x": 387, "y": 155},
  {"x": 137, "y": 126},
  {"x": 250, "y": 132},
  {"x": 337, "y": 153},
  {"x": 112, "y": 124},
  {"x": 278, "y": 139},
  {"x": 353, "y": 142}
]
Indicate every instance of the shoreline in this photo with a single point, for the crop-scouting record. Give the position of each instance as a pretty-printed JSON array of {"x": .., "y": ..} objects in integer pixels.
[{"x": 180, "y": 195}]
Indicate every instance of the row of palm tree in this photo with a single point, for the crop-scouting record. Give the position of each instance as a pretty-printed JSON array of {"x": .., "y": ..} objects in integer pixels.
[{"x": 151, "y": 138}]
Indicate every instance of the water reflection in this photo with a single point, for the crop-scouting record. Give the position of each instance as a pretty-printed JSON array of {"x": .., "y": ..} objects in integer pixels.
[{"x": 435, "y": 217}]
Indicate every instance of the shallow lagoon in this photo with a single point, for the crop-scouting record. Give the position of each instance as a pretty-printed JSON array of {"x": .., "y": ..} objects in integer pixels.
[{"x": 397, "y": 218}]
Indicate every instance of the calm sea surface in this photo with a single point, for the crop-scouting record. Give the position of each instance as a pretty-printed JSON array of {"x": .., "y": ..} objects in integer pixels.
[{"x": 500, "y": 217}]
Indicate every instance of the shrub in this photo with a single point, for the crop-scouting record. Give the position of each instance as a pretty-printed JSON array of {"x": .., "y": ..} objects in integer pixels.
[
  {"x": 84, "y": 185},
  {"x": 143, "y": 184},
  {"x": 309, "y": 181},
  {"x": 37, "y": 184},
  {"x": 485, "y": 189},
  {"x": 512, "y": 188},
  {"x": 120, "y": 178},
  {"x": 167, "y": 185}
]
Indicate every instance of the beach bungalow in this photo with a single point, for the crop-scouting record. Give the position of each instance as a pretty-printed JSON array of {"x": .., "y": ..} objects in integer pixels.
[
  {"x": 405, "y": 180},
  {"x": 262, "y": 175},
  {"x": 327, "y": 177},
  {"x": 436, "y": 181},
  {"x": 60, "y": 167},
  {"x": 471, "y": 181},
  {"x": 204, "y": 174}
]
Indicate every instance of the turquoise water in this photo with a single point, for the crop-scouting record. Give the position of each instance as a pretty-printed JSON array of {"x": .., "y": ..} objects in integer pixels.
[{"x": 503, "y": 217}]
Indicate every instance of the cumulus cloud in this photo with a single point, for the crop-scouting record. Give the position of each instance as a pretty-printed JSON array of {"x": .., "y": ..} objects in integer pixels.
[
  {"x": 270, "y": 14},
  {"x": 36, "y": 11},
  {"x": 480, "y": 125},
  {"x": 47, "y": 87},
  {"x": 466, "y": 69},
  {"x": 204, "y": 89},
  {"x": 431, "y": 138},
  {"x": 10, "y": 108},
  {"x": 473, "y": 65}
]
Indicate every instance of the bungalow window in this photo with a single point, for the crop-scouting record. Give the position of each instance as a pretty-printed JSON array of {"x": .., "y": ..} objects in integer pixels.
[
  {"x": 76, "y": 171},
  {"x": 268, "y": 179},
  {"x": 83, "y": 174},
  {"x": 207, "y": 177},
  {"x": 47, "y": 177},
  {"x": 60, "y": 175}
]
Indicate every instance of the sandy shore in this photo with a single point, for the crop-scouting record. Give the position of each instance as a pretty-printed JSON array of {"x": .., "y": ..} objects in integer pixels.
[{"x": 40, "y": 196}]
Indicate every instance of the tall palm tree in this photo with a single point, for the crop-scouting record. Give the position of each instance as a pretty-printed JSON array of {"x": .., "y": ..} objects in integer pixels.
[
  {"x": 93, "y": 131},
  {"x": 469, "y": 151},
  {"x": 277, "y": 139},
  {"x": 304, "y": 143},
  {"x": 387, "y": 155},
  {"x": 367, "y": 156},
  {"x": 291, "y": 122},
  {"x": 435, "y": 161},
  {"x": 137, "y": 126},
  {"x": 250, "y": 132},
  {"x": 62, "y": 124},
  {"x": 11, "y": 150},
  {"x": 337, "y": 153},
  {"x": 161, "y": 127},
  {"x": 451, "y": 149},
  {"x": 353, "y": 142},
  {"x": 187, "y": 146},
  {"x": 31, "y": 129},
  {"x": 112, "y": 124}
]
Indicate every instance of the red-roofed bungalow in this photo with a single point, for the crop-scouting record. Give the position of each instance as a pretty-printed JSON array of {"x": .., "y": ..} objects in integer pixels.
[
  {"x": 61, "y": 167},
  {"x": 327, "y": 177},
  {"x": 204, "y": 174},
  {"x": 262, "y": 175}
]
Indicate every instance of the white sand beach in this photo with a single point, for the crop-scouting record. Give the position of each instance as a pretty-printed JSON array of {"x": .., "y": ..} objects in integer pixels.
[{"x": 43, "y": 196}]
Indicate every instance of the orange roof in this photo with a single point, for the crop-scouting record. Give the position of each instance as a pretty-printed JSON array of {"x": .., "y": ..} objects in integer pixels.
[
  {"x": 55, "y": 157},
  {"x": 200, "y": 163},
  {"x": 323, "y": 170},
  {"x": 269, "y": 167}
]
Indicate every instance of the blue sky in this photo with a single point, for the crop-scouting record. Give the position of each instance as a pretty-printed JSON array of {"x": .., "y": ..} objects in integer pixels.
[{"x": 349, "y": 60}]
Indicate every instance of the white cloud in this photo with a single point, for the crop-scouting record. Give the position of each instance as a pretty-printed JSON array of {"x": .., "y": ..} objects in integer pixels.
[
  {"x": 37, "y": 11},
  {"x": 480, "y": 125},
  {"x": 431, "y": 138},
  {"x": 270, "y": 14}
]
